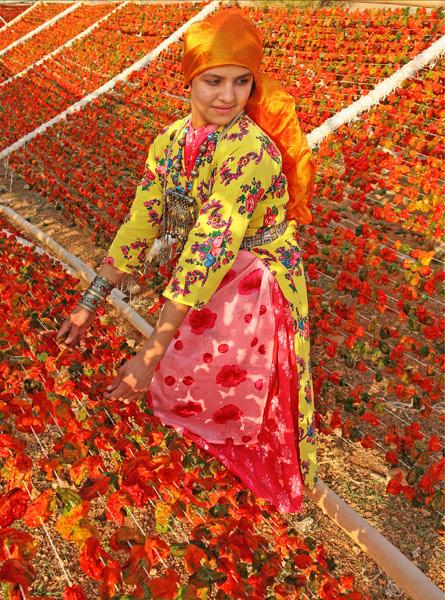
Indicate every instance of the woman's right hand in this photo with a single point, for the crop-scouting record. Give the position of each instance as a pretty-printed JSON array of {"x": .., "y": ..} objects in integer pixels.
[{"x": 75, "y": 326}]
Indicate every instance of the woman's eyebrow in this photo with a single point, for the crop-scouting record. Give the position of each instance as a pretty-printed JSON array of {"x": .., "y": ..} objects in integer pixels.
[{"x": 247, "y": 74}]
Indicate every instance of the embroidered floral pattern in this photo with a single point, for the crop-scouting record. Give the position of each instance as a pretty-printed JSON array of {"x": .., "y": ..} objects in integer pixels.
[
  {"x": 252, "y": 194},
  {"x": 153, "y": 212},
  {"x": 148, "y": 178},
  {"x": 228, "y": 175},
  {"x": 243, "y": 126},
  {"x": 212, "y": 252},
  {"x": 308, "y": 392},
  {"x": 140, "y": 245},
  {"x": 270, "y": 148},
  {"x": 270, "y": 218},
  {"x": 278, "y": 186},
  {"x": 191, "y": 278}
]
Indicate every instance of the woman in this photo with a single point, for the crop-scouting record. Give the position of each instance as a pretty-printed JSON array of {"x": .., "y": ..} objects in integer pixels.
[{"x": 228, "y": 361}]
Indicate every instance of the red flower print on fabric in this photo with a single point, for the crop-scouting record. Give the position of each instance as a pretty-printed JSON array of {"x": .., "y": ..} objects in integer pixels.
[
  {"x": 228, "y": 277},
  {"x": 258, "y": 384},
  {"x": 250, "y": 283},
  {"x": 200, "y": 320},
  {"x": 229, "y": 412},
  {"x": 231, "y": 376},
  {"x": 189, "y": 409},
  {"x": 148, "y": 177}
]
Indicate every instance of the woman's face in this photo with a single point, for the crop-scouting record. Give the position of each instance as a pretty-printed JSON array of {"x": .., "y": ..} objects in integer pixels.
[{"x": 219, "y": 94}]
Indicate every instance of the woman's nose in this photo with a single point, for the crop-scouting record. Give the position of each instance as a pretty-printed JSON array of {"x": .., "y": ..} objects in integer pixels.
[{"x": 227, "y": 93}]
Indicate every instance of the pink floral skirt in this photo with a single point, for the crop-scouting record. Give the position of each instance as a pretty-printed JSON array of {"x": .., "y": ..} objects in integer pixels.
[{"x": 229, "y": 382}]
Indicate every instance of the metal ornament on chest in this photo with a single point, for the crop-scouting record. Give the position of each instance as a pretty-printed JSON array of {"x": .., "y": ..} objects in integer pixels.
[
  {"x": 180, "y": 209},
  {"x": 179, "y": 216}
]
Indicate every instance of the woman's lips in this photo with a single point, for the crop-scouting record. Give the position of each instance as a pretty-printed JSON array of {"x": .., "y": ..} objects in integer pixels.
[{"x": 223, "y": 109}]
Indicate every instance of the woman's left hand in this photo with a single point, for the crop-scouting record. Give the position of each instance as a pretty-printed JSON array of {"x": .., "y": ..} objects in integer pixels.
[
  {"x": 135, "y": 375},
  {"x": 132, "y": 378}
]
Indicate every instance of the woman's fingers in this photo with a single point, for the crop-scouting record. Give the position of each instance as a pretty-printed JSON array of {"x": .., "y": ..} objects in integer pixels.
[
  {"x": 122, "y": 391},
  {"x": 72, "y": 337},
  {"x": 75, "y": 326},
  {"x": 72, "y": 333},
  {"x": 132, "y": 379},
  {"x": 117, "y": 380},
  {"x": 62, "y": 330},
  {"x": 117, "y": 388}
]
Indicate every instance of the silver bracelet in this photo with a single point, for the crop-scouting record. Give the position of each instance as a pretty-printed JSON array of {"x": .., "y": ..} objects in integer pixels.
[
  {"x": 95, "y": 295},
  {"x": 101, "y": 286},
  {"x": 90, "y": 302}
]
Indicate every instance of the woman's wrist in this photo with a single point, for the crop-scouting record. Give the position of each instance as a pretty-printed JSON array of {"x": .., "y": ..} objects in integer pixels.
[{"x": 155, "y": 347}]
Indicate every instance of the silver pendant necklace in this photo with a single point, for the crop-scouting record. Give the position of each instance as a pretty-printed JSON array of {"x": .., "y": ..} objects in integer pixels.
[{"x": 179, "y": 209}]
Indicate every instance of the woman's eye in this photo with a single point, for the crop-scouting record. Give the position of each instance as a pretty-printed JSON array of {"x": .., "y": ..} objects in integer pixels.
[
  {"x": 243, "y": 81},
  {"x": 212, "y": 81}
]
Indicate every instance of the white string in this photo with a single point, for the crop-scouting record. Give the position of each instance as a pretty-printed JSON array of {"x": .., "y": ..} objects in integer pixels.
[
  {"x": 360, "y": 315},
  {"x": 20, "y": 16},
  {"x": 408, "y": 467},
  {"x": 67, "y": 44},
  {"x": 379, "y": 93},
  {"x": 109, "y": 85},
  {"x": 41, "y": 27},
  {"x": 370, "y": 255}
]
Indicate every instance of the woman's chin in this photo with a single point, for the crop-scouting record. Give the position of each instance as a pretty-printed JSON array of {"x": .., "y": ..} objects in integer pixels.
[{"x": 220, "y": 118}]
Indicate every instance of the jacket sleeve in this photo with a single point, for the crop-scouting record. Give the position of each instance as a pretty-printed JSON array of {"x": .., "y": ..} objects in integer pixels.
[
  {"x": 241, "y": 181},
  {"x": 141, "y": 227}
]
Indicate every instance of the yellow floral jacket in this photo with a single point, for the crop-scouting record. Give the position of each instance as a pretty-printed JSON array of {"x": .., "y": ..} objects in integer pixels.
[{"x": 240, "y": 190}]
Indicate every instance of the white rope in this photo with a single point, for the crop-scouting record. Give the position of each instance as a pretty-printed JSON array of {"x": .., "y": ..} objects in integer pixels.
[
  {"x": 389, "y": 558},
  {"x": 18, "y": 17},
  {"x": 67, "y": 44},
  {"x": 41, "y": 27},
  {"x": 379, "y": 93},
  {"x": 111, "y": 84}
]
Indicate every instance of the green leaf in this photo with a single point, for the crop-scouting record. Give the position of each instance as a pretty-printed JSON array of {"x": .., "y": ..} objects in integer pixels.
[
  {"x": 69, "y": 498},
  {"x": 219, "y": 510},
  {"x": 162, "y": 516},
  {"x": 310, "y": 543}
]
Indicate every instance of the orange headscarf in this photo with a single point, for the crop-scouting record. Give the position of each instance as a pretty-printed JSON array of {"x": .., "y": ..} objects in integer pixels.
[{"x": 229, "y": 38}]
